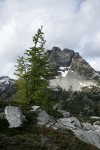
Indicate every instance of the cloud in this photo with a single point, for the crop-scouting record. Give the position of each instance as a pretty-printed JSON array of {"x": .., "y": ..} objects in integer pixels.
[
  {"x": 73, "y": 24},
  {"x": 95, "y": 63}
]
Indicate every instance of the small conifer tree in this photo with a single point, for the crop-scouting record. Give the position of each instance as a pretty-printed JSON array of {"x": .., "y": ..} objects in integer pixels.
[{"x": 33, "y": 72}]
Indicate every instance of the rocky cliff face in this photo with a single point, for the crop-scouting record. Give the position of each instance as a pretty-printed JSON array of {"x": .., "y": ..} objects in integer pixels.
[{"x": 70, "y": 69}]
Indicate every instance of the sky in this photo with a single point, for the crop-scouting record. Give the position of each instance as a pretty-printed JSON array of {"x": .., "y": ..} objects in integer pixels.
[{"x": 73, "y": 24}]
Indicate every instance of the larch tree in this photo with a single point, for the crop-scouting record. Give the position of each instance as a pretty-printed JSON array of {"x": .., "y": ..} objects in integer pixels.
[{"x": 22, "y": 84}]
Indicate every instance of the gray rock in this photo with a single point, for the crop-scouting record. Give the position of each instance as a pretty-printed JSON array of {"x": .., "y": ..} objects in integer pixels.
[
  {"x": 64, "y": 113},
  {"x": 84, "y": 131},
  {"x": 96, "y": 123},
  {"x": 68, "y": 123},
  {"x": 14, "y": 116},
  {"x": 62, "y": 123},
  {"x": 74, "y": 121},
  {"x": 44, "y": 119},
  {"x": 97, "y": 127},
  {"x": 91, "y": 137},
  {"x": 88, "y": 126},
  {"x": 89, "y": 134}
]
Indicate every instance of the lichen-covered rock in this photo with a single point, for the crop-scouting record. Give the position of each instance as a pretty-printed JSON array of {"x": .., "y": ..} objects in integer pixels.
[{"x": 14, "y": 116}]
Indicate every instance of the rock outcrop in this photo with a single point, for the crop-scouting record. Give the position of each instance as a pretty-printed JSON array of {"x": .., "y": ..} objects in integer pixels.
[{"x": 84, "y": 131}]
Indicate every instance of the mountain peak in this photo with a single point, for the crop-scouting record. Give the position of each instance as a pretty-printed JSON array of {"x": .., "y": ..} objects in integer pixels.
[
  {"x": 70, "y": 68},
  {"x": 69, "y": 58}
]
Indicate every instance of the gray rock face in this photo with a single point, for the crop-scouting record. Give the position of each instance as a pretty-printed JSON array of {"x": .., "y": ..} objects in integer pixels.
[{"x": 14, "y": 116}]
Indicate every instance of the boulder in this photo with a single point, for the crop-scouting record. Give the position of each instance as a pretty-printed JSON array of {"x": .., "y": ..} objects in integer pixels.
[
  {"x": 14, "y": 116},
  {"x": 44, "y": 119},
  {"x": 68, "y": 123}
]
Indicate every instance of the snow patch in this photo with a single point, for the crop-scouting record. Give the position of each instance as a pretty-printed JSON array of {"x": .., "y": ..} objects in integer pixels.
[
  {"x": 4, "y": 79},
  {"x": 69, "y": 67},
  {"x": 82, "y": 84},
  {"x": 62, "y": 68},
  {"x": 7, "y": 82},
  {"x": 97, "y": 74},
  {"x": 94, "y": 117},
  {"x": 1, "y": 81},
  {"x": 64, "y": 73}
]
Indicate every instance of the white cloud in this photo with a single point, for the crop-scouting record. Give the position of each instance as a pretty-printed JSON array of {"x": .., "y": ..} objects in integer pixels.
[
  {"x": 73, "y": 24},
  {"x": 95, "y": 63}
]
